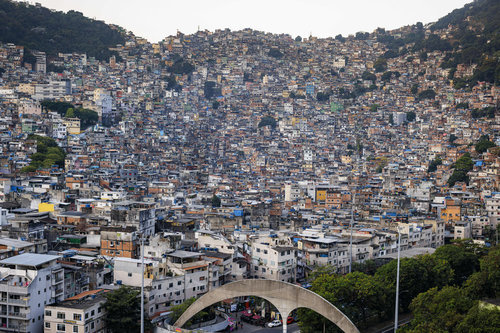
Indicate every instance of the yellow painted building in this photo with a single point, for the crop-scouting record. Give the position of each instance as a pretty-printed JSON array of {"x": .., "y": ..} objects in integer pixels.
[
  {"x": 72, "y": 125},
  {"x": 45, "y": 207}
]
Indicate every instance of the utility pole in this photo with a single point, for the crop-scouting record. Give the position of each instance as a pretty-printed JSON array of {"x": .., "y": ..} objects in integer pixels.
[
  {"x": 396, "y": 309},
  {"x": 351, "y": 226},
  {"x": 142, "y": 283}
]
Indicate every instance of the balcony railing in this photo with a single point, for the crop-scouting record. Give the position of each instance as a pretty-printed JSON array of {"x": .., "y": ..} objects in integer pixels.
[{"x": 14, "y": 301}]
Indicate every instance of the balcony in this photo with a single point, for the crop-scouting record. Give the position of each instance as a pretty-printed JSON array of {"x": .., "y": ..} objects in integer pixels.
[
  {"x": 14, "y": 328},
  {"x": 21, "y": 302},
  {"x": 13, "y": 315},
  {"x": 11, "y": 289}
]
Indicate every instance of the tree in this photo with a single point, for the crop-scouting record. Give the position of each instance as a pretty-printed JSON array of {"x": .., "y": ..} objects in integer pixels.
[
  {"x": 275, "y": 53},
  {"x": 374, "y": 107},
  {"x": 484, "y": 144},
  {"x": 178, "y": 310},
  {"x": 267, "y": 121},
  {"x": 434, "y": 164},
  {"x": 216, "y": 202},
  {"x": 480, "y": 319},
  {"x": 414, "y": 89},
  {"x": 463, "y": 165},
  {"x": 486, "y": 282},
  {"x": 123, "y": 310},
  {"x": 417, "y": 275},
  {"x": 427, "y": 94},
  {"x": 462, "y": 261},
  {"x": 367, "y": 76},
  {"x": 439, "y": 310},
  {"x": 410, "y": 116},
  {"x": 380, "y": 65},
  {"x": 358, "y": 295}
]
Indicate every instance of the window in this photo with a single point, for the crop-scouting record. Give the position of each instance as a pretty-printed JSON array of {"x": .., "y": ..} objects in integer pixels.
[
  {"x": 129, "y": 274},
  {"x": 75, "y": 329},
  {"x": 77, "y": 316},
  {"x": 48, "y": 313},
  {"x": 61, "y": 315},
  {"x": 61, "y": 327},
  {"x": 47, "y": 324},
  {"x": 99, "y": 309},
  {"x": 92, "y": 312}
]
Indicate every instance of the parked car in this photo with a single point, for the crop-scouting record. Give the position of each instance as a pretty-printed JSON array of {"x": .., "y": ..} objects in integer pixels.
[
  {"x": 289, "y": 320},
  {"x": 274, "y": 323}
]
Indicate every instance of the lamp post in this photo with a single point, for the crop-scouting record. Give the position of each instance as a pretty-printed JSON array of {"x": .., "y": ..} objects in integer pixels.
[
  {"x": 396, "y": 309},
  {"x": 142, "y": 283},
  {"x": 350, "y": 237}
]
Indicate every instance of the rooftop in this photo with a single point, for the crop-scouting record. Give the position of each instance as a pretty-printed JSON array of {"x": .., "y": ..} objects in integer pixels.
[{"x": 29, "y": 259}]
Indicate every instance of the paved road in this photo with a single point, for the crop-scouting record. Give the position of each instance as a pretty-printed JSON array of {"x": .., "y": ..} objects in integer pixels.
[{"x": 247, "y": 328}]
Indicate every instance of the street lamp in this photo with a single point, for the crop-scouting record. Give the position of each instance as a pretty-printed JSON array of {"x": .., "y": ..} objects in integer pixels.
[
  {"x": 396, "y": 312},
  {"x": 351, "y": 225},
  {"x": 142, "y": 283}
]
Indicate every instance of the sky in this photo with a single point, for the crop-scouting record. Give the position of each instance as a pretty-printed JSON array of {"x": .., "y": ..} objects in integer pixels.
[{"x": 157, "y": 19}]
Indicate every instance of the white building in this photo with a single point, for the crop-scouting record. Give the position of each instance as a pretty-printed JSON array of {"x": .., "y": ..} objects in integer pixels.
[
  {"x": 83, "y": 313},
  {"x": 53, "y": 89},
  {"x": 28, "y": 282}
]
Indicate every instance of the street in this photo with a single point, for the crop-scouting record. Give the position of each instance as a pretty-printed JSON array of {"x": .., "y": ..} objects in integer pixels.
[{"x": 247, "y": 328}]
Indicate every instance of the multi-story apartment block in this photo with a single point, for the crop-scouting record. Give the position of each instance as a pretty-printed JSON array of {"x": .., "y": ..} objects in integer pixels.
[
  {"x": 83, "y": 313},
  {"x": 274, "y": 262},
  {"x": 28, "y": 282}
]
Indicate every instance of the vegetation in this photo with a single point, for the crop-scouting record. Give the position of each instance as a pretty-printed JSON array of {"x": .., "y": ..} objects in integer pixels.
[
  {"x": 210, "y": 91},
  {"x": 484, "y": 144},
  {"x": 216, "y": 202},
  {"x": 410, "y": 116},
  {"x": 427, "y": 94},
  {"x": 123, "y": 310},
  {"x": 41, "y": 29},
  {"x": 380, "y": 65},
  {"x": 48, "y": 154},
  {"x": 275, "y": 53},
  {"x": 441, "y": 290},
  {"x": 267, "y": 121},
  {"x": 87, "y": 117},
  {"x": 463, "y": 165},
  {"x": 434, "y": 164},
  {"x": 178, "y": 310},
  {"x": 180, "y": 66},
  {"x": 367, "y": 76},
  {"x": 323, "y": 96},
  {"x": 488, "y": 112}
]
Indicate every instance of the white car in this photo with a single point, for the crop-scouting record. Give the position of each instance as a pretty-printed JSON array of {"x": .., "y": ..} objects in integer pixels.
[{"x": 274, "y": 323}]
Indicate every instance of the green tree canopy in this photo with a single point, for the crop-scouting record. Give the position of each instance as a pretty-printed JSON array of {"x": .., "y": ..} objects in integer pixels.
[
  {"x": 216, "y": 202},
  {"x": 439, "y": 310},
  {"x": 267, "y": 121},
  {"x": 123, "y": 310},
  {"x": 484, "y": 144},
  {"x": 461, "y": 259}
]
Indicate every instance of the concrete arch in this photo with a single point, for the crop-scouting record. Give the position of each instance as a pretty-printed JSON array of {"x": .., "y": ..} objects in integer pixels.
[{"x": 285, "y": 296}]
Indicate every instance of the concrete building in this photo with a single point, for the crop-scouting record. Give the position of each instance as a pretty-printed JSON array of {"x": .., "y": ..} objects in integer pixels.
[
  {"x": 83, "y": 313},
  {"x": 28, "y": 283}
]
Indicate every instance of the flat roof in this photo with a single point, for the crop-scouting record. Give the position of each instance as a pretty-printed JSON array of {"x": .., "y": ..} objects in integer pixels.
[
  {"x": 184, "y": 254},
  {"x": 29, "y": 259}
]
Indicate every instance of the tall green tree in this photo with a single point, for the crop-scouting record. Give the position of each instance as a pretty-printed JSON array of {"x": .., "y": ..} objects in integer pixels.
[
  {"x": 439, "y": 310},
  {"x": 463, "y": 262},
  {"x": 123, "y": 310}
]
